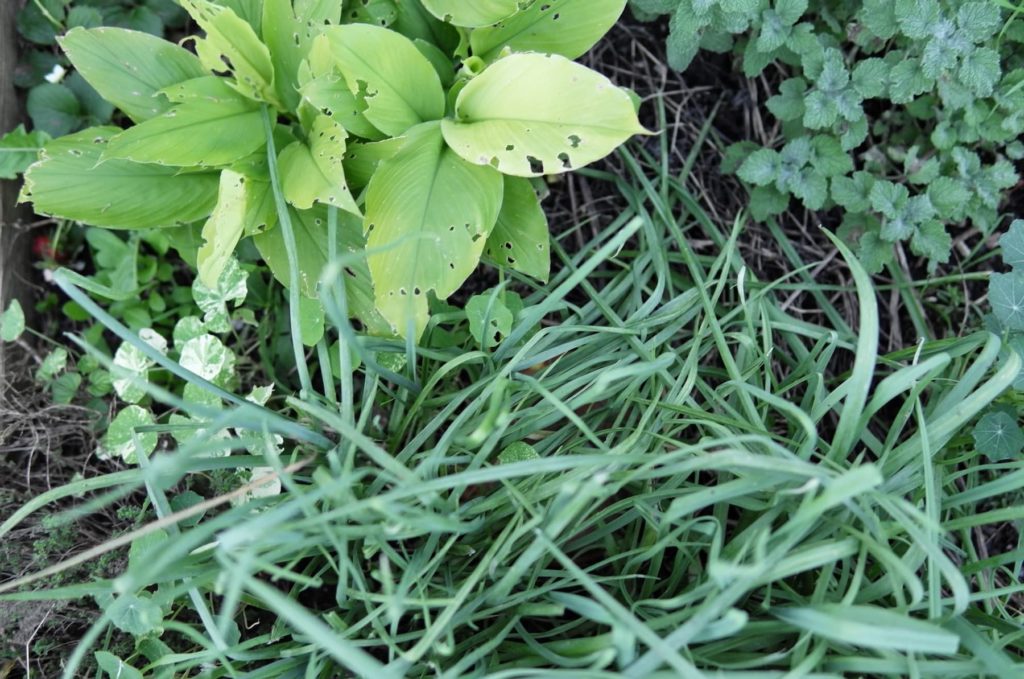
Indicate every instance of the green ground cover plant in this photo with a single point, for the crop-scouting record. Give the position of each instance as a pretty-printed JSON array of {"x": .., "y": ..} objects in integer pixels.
[
  {"x": 672, "y": 480},
  {"x": 904, "y": 114}
]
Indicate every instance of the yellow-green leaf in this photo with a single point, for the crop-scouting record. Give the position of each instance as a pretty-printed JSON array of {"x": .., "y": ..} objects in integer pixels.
[
  {"x": 476, "y": 13},
  {"x": 520, "y": 238},
  {"x": 70, "y": 182},
  {"x": 387, "y": 74},
  {"x": 428, "y": 215},
  {"x": 231, "y": 44},
  {"x": 566, "y": 27},
  {"x": 224, "y": 228},
  {"x": 128, "y": 68},
  {"x": 534, "y": 114},
  {"x": 197, "y": 132},
  {"x": 314, "y": 172}
]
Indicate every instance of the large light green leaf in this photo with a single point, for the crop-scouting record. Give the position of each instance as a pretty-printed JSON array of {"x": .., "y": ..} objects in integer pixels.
[
  {"x": 520, "y": 238},
  {"x": 329, "y": 95},
  {"x": 310, "y": 227},
  {"x": 195, "y": 133},
  {"x": 288, "y": 38},
  {"x": 534, "y": 114},
  {"x": 128, "y": 68},
  {"x": 224, "y": 228},
  {"x": 232, "y": 45},
  {"x": 566, "y": 27},
  {"x": 361, "y": 160},
  {"x": 389, "y": 76},
  {"x": 70, "y": 182},
  {"x": 313, "y": 171},
  {"x": 428, "y": 214},
  {"x": 476, "y": 13}
]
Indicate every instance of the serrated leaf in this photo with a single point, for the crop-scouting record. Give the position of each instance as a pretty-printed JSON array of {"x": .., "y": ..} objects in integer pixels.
[
  {"x": 949, "y": 197},
  {"x": 566, "y": 27},
  {"x": 533, "y": 114},
  {"x": 121, "y": 437},
  {"x": 1006, "y": 295},
  {"x": 398, "y": 86},
  {"x": 810, "y": 187},
  {"x": 907, "y": 80},
  {"x": 888, "y": 198},
  {"x": 853, "y": 192},
  {"x": 54, "y": 363},
  {"x": 761, "y": 167},
  {"x": 766, "y": 201},
  {"x": 128, "y": 68},
  {"x": 520, "y": 238},
  {"x": 980, "y": 71},
  {"x": 683, "y": 39},
  {"x": 474, "y": 14},
  {"x": 998, "y": 436},
  {"x": 820, "y": 111},
  {"x": 978, "y": 21},
  {"x": 918, "y": 19},
  {"x": 932, "y": 241},
  {"x": 12, "y": 322},
  {"x": 428, "y": 213},
  {"x": 829, "y": 158},
  {"x": 789, "y": 103},
  {"x": 870, "y": 77}
]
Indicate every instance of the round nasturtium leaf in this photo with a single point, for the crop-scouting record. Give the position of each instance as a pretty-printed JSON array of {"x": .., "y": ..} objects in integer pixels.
[
  {"x": 476, "y": 13},
  {"x": 390, "y": 77},
  {"x": 566, "y": 27},
  {"x": 535, "y": 114},
  {"x": 428, "y": 215}
]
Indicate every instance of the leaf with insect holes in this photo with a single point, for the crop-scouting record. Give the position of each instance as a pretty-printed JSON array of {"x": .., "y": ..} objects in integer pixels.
[
  {"x": 313, "y": 250},
  {"x": 491, "y": 316},
  {"x": 520, "y": 239},
  {"x": 998, "y": 436},
  {"x": 12, "y": 322},
  {"x": 396, "y": 84},
  {"x": 313, "y": 172},
  {"x": 123, "y": 441},
  {"x": 129, "y": 68},
  {"x": 1012, "y": 244},
  {"x": 213, "y": 301},
  {"x": 72, "y": 181},
  {"x": 534, "y": 114},
  {"x": 566, "y": 27},
  {"x": 232, "y": 44},
  {"x": 132, "y": 366},
  {"x": 223, "y": 229},
  {"x": 1006, "y": 295},
  {"x": 428, "y": 214},
  {"x": 474, "y": 14}
]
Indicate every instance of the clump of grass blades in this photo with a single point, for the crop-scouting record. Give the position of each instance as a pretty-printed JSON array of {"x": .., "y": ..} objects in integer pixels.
[{"x": 712, "y": 496}]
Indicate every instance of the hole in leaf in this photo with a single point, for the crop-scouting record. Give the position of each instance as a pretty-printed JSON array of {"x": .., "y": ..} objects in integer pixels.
[{"x": 536, "y": 165}]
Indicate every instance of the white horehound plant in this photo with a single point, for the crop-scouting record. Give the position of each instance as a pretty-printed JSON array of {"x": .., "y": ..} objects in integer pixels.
[{"x": 400, "y": 134}]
